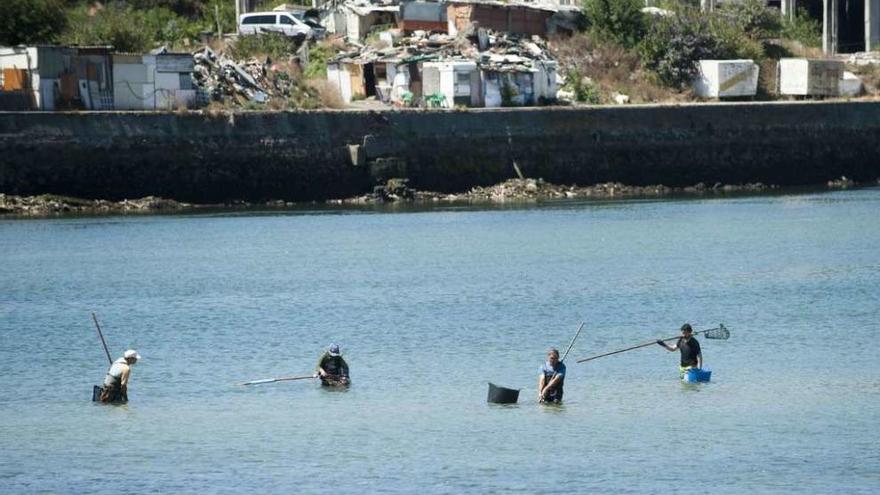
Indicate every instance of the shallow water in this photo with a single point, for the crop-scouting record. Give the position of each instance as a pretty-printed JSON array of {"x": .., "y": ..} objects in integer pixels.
[{"x": 428, "y": 307}]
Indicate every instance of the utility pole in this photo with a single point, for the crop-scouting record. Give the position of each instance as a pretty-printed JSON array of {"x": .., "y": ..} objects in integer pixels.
[
  {"x": 789, "y": 9},
  {"x": 872, "y": 25},
  {"x": 237, "y": 14},
  {"x": 829, "y": 27}
]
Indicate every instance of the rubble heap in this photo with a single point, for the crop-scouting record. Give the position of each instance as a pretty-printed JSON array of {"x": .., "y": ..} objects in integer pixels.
[
  {"x": 224, "y": 79},
  {"x": 489, "y": 49},
  {"x": 537, "y": 189},
  {"x": 519, "y": 189}
]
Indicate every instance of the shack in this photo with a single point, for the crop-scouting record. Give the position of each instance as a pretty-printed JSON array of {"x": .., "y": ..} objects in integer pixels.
[
  {"x": 355, "y": 18},
  {"x": 399, "y": 82},
  {"x": 348, "y": 77},
  {"x": 424, "y": 16},
  {"x": 174, "y": 84},
  {"x": 510, "y": 80},
  {"x": 438, "y": 70},
  {"x": 48, "y": 77},
  {"x": 508, "y": 17},
  {"x": 355, "y": 78},
  {"x": 156, "y": 81},
  {"x": 450, "y": 83},
  {"x": 133, "y": 83}
]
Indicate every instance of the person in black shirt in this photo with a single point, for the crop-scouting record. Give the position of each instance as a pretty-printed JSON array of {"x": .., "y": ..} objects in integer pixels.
[
  {"x": 332, "y": 368},
  {"x": 691, "y": 356}
]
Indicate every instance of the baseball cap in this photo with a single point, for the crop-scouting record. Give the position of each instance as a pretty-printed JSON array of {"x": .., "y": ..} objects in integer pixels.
[
  {"x": 131, "y": 353},
  {"x": 334, "y": 350}
]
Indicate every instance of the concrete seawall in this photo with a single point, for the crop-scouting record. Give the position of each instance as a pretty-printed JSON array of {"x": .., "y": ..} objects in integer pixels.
[{"x": 319, "y": 155}]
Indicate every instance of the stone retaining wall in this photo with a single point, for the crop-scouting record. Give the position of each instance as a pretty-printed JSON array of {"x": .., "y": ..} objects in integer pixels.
[{"x": 331, "y": 154}]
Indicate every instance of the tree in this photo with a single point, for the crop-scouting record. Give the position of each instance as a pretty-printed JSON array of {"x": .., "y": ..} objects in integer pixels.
[
  {"x": 124, "y": 28},
  {"x": 31, "y": 21},
  {"x": 673, "y": 45},
  {"x": 621, "y": 21}
]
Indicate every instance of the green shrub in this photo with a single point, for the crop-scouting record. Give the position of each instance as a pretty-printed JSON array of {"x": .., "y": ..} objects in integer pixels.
[
  {"x": 673, "y": 45},
  {"x": 31, "y": 21},
  {"x": 187, "y": 8},
  {"x": 168, "y": 28},
  {"x": 128, "y": 29},
  {"x": 120, "y": 26},
  {"x": 803, "y": 29},
  {"x": 751, "y": 17},
  {"x": 226, "y": 11},
  {"x": 273, "y": 45},
  {"x": 319, "y": 54},
  {"x": 621, "y": 21},
  {"x": 733, "y": 42},
  {"x": 583, "y": 88}
]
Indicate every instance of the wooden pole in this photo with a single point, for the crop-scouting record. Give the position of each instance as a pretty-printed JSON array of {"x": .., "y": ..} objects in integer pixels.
[
  {"x": 639, "y": 346},
  {"x": 572, "y": 342},
  {"x": 100, "y": 334},
  {"x": 282, "y": 379}
]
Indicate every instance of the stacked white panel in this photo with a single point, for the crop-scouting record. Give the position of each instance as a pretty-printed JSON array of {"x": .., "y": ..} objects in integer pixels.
[{"x": 726, "y": 78}]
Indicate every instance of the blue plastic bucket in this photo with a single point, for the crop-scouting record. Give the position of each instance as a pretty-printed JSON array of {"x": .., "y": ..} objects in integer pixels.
[{"x": 697, "y": 375}]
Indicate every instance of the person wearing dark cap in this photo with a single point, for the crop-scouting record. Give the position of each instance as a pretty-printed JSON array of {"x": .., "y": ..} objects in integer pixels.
[
  {"x": 551, "y": 379},
  {"x": 691, "y": 356},
  {"x": 332, "y": 368}
]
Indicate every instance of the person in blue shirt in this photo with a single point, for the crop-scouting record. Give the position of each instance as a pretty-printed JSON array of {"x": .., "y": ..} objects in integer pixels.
[{"x": 551, "y": 379}]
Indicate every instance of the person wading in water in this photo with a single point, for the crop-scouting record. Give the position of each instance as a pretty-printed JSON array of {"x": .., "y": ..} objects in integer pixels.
[
  {"x": 332, "y": 369},
  {"x": 551, "y": 379},
  {"x": 691, "y": 356},
  {"x": 115, "y": 387}
]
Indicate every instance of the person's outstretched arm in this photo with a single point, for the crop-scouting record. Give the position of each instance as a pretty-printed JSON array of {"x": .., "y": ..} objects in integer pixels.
[
  {"x": 541, "y": 380},
  {"x": 666, "y": 346}
]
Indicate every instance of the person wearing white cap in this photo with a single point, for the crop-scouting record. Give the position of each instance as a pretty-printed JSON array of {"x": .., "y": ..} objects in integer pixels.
[
  {"x": 332, "y": 368},
  {"x": 116, "y": 382}
]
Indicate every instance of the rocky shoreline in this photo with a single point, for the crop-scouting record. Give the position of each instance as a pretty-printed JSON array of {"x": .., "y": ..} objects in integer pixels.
[
  {"x": 514, "y": 190},
  {"x": 394, "y": 191},
  {"x": 50, "y": 204}
]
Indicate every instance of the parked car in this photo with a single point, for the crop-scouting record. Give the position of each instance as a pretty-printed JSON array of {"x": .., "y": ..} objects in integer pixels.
[
  {"x": 311, "y": 18},
  {"x": 273, "y": 22}
]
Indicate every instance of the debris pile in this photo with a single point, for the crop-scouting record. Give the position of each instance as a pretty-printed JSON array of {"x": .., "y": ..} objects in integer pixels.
[
  {"x": 224, "y": 79},
  {"x": 392, "y": 191},
  {"x": 519, "y": 189},
  {"x": 490, "y": 49},
  {"x": 842, "y": 183},
  {"x": 525, "y": 189},
  {"x": 864, "y": 58},
  {"x": 396, "y": 190}
]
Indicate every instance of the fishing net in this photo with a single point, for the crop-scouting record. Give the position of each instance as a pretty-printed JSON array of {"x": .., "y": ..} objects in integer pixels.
[{"x": 721, "y": 333}]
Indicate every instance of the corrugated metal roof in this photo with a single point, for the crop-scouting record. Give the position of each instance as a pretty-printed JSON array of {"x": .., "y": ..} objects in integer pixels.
[
  {"x": 423, "y": 11},
  {"x": 507, "y": 5},
  {"x": 81, "y": 47}
]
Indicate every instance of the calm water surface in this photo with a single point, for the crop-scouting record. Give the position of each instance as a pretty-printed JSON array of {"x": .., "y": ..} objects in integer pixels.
[{"x": 428, "y": 307}]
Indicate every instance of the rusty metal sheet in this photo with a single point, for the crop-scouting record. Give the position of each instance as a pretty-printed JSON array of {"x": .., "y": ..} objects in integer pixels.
[{"x": 14, "y": 79}]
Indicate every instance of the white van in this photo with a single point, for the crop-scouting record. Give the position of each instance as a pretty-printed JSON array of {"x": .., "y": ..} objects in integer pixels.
[{"x": 272, "y": 22}]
